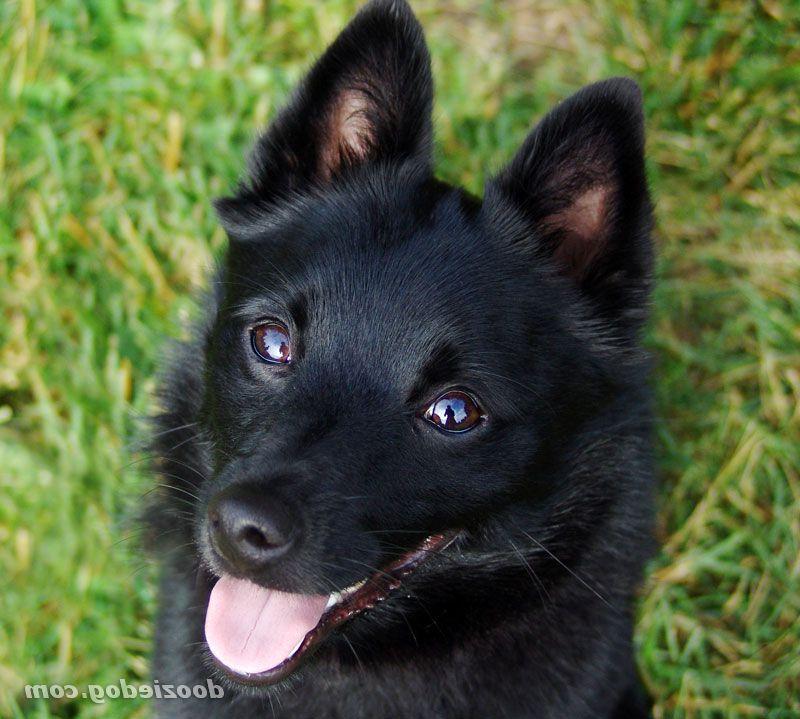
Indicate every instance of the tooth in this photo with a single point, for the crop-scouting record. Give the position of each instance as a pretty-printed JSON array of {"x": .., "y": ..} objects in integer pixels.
[
  {"x": 354, "y": 587},
  {"x": 297, "y": 646},
  {"x": 334, "y": 598}
]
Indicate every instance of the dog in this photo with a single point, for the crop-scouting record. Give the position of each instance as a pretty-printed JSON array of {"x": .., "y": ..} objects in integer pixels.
[{"x": 405, "y": 454}]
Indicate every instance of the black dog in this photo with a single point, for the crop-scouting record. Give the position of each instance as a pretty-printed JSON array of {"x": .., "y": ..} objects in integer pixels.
[{"x": 408, "y": 449}]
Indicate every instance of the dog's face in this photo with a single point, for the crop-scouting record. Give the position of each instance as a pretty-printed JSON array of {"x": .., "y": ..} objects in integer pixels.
[{"x": 394, "y": 364}]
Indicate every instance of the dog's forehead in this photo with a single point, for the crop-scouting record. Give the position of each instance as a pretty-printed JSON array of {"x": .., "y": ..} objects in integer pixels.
[
  {"x": 401, "y": 269},
  {"x": 384, "y": 294},
  {"x": 391, "y": 275}
]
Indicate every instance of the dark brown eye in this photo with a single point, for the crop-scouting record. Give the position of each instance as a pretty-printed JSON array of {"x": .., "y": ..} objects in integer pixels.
[
  {"x": 271, "y": 342},
  {"x": 454, "y": 411}
]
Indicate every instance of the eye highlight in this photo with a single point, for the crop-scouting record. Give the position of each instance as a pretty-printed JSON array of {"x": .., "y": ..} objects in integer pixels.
[
  {"x": 271, "y": 343},
  {"x": 454, "y": 411}
]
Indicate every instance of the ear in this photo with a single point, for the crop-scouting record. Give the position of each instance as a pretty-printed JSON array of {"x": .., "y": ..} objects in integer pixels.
[
  {"x": 579, "y": 183},
  {"x": 367, "y": 99}
]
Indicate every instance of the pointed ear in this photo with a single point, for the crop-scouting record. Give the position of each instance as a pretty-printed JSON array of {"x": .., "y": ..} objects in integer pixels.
[
  {"x": 367, "y": 99},
  {"x": 579, "y": 182}
]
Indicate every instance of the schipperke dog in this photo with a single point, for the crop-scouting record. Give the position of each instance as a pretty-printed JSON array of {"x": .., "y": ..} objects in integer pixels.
[{"x": 406, "y": 455}]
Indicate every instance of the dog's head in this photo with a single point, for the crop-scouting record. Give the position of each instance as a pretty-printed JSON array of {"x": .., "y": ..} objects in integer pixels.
[{"x": 395, "y": 370}]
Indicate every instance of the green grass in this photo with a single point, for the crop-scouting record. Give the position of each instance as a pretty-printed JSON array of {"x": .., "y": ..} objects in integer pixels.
[{"x": 118, "y": 122}]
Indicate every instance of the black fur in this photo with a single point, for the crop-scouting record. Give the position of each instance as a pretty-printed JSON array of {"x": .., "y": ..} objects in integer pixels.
[{"x": 396, "y": 286}]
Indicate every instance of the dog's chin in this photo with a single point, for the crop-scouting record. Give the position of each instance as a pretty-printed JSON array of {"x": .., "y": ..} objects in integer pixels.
[{"x": 260, "y": 638}]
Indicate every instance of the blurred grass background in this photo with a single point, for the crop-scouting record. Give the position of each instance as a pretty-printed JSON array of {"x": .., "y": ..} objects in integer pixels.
[{"x": 119, "y": 120}]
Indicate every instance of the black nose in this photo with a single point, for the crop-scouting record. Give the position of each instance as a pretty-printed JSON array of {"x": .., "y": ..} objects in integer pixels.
[{"x": 248, "y": 528}]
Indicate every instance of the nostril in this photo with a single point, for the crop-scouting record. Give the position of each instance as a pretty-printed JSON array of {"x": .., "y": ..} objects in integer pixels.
[{"x": 257, "y": 538}]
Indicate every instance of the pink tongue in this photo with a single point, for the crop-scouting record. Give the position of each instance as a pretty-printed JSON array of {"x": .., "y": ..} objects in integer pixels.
[{"x": 251, "y": 629}]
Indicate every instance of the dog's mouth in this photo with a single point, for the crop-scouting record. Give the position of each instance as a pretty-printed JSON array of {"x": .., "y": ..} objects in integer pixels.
[{"x": 261, "y": 636}]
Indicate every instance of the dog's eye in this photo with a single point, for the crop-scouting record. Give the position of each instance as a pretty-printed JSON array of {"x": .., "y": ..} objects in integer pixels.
[
  {"x": 271, "y": 342},
  {"x": 454, "y": 411}
]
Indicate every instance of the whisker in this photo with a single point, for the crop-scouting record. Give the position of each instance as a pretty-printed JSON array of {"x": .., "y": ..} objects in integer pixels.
[
  {"x": 534, "y": 578},
  {"x": 574, "y": 574},
  {"x": 184, "y": 464},
  {"x": 355, "y": 653},
  {"x": 421, "y": 535},
  {"x": 188, "y": 482},
  {"x": 139, "y": 532},
  {"x": 178, "y": 489},
  {"x": 185, "y": 440},
  {"x": 370, "y": 567}
]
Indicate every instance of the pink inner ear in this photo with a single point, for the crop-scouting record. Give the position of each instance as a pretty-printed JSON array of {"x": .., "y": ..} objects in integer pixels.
[
  {"x": 582, "y": 229},
  {"x": 349, "y": 134}
]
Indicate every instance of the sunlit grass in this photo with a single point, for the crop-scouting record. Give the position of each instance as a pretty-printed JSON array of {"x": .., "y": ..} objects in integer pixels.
[{"x": 120, "y": 120}]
